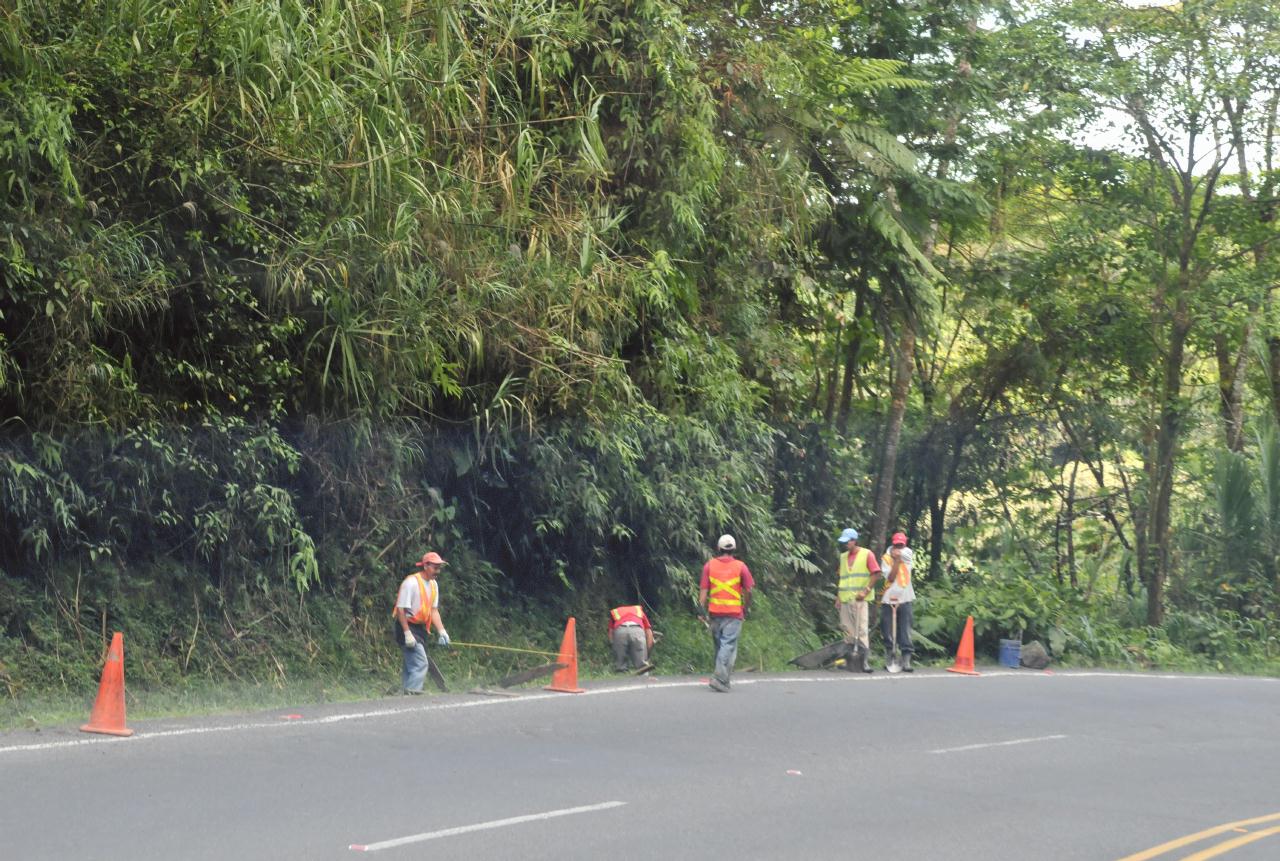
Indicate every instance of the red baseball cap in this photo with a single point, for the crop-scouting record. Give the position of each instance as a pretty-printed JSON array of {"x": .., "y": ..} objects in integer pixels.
[
  {"x": 899, "y": 538},
  {"x": 432, "y": 558}
]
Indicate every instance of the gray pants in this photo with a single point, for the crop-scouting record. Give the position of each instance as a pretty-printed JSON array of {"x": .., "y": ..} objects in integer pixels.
[
  {"x": 725, "y": 631},
  {"x": 629, "y": 647},
  {"x": 905, "y": 614}
]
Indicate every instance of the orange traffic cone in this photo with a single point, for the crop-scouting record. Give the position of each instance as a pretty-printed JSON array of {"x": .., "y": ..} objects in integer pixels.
[
  {"x": 964, "y": 654},
  {"x": 108, "y": 709},
  {"x": 566, "y": 681}
]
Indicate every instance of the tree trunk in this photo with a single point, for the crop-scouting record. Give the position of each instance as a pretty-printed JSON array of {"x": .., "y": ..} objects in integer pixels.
[
  {"x": 851, "y": 352},
  {"x": 1231, "y": 385},
  {"x": 1161, "y": 489},
  {"x": 833, "y": 375},
  {"x": 903, "y": 364},
  {"x": 1141, "y": 512},
  {"x": 1071, "y": 527},
  {"x": 1273, "y": 355},
  {"x": 937, "y": 526},
  {"x": 905, "y": 358}
]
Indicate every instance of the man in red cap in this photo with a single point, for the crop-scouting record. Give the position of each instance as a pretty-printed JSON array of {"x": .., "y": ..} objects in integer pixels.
[
  {"x": 417, "y": 609},
  {"x": 898, "y": 597}
]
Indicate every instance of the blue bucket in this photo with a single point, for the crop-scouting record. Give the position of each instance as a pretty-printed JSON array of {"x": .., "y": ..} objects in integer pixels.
[{"x": 1011, "y": 653}]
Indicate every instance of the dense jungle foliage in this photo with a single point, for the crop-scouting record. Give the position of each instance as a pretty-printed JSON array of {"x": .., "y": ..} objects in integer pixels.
[{"x": 294, "y": 290}]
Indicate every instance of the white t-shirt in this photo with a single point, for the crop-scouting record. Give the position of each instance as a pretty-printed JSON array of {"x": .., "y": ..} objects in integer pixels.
[
  {"x": 898, "y": 593},
  {"x": 410, "y": 597}
]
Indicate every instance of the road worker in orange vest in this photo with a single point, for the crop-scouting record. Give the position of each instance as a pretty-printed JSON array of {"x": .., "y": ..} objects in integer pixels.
[
  {"x": 858, "y": 574},
  {"x": 417, "y": 610},
  {"x": 897, "y": 602},
  {"x": 630, "y": 636},
  {"x": 725, "y": 593}
]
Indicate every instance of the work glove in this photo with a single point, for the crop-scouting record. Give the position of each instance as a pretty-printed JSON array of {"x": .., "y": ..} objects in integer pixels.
[
  {"x": 443, "y": 639},
  {"x": 409, "y": 641}
]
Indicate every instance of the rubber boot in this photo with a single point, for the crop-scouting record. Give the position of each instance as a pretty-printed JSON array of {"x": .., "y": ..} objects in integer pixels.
[{"x": 906, "y": 663}]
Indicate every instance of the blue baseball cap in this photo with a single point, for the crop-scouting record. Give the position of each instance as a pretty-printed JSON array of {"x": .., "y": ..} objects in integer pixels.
[{"x": 848, "y": 535}]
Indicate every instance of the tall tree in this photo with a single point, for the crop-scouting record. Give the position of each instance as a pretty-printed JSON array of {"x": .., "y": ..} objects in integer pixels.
[{"x": 1157, "y": 68}]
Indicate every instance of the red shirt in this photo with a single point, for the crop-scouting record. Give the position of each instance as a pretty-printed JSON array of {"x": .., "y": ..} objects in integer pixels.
[
  {"x": 631, "y": 613},
  {"x": 873, "y": 567},
  {"x": 747, "y": 585}
]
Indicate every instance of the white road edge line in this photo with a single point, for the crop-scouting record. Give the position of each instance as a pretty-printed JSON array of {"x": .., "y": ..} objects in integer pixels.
[
  {"x": 998, "y": 743},
  {"x": 482, "y": 826},
  {"x": 843, "y": 678}
]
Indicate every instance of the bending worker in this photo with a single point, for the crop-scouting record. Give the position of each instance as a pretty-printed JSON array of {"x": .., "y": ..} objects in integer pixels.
[
  {"x": 726, "y": 594},
  {"x": 417, "y": 610},
  {"x": 630, "y": 636},
  {"x": 859, "y": 572},
  {"x": 898, "y": 597}
]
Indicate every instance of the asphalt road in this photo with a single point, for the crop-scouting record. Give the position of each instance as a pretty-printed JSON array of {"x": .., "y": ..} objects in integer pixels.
[{"x": 1011, "y": 765}]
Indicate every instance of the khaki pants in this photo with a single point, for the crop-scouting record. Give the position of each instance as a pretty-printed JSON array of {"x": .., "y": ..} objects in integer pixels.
[{"x": 853, "y": 621}]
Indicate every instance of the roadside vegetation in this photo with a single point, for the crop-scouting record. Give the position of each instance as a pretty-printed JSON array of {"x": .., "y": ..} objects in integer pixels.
[{"x": 291, "y": 292}]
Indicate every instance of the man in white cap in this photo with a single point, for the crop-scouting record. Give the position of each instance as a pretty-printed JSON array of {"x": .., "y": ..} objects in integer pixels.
[
  {"x": 417, "y": 610},
  {"x": 857, "y": 578},
  {"x": 725, "y": 593}
]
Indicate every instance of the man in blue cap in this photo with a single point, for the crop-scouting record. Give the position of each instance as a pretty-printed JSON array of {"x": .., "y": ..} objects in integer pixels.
[{"x": 859, "y": 572}]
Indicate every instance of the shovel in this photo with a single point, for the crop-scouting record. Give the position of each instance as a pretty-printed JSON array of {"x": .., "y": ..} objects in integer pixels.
[{"x": 895, "y": 664}]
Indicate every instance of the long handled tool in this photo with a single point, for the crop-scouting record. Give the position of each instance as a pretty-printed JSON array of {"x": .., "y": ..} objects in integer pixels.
[
  {"x": 895, "y": 663},
  {"x": 530, "y": 674},
  {"x": 514, "y": 679},
  {"x": 828, "y": 654},
  {"x": 437, "y": 677}
]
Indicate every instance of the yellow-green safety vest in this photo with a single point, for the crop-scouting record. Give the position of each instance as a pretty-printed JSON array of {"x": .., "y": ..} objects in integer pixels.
[{"x": 853, "y": 577}]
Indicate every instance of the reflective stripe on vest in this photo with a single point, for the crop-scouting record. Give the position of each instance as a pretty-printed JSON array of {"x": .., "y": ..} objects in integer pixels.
[
  {"x": 636, "y": 610},
  {"x": 726, "y": 591},
  {"x": 853, "y": 577},
  {"x": 904, "y": 573}
]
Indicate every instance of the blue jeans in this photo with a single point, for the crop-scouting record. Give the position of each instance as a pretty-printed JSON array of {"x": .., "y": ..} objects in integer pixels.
[
  {"x": 414, "y": 671},
  {"x": 725, "y": 631}
]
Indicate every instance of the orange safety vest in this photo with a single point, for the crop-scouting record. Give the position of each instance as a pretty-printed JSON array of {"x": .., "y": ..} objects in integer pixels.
[
  {"x": 904, "y": 573},
  {"x": 725, "y": 578},
  {"x": 621, "y": 614},
  {"x": 423, "y": 616}
]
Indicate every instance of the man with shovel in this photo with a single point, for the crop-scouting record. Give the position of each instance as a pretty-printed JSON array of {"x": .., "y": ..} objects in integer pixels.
[
  {"x": 858, "y": 574},
  {"x": 896, "y": 605}
]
